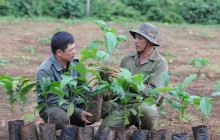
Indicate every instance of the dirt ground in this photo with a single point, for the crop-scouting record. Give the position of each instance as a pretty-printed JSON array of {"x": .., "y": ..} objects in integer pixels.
[{"x": 179, "y": 43}]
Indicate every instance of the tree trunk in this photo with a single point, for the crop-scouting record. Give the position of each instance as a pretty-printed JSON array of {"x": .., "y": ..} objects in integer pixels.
[{"x": 87, "y": 8}]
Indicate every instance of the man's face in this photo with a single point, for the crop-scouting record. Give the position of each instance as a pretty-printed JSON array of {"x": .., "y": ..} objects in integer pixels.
[
  {"x": 68, "y": 54},
  {"x": 140, "y": 42}
]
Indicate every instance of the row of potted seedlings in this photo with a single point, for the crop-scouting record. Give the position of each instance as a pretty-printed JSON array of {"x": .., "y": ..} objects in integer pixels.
[
  {"x": 17, "y": 89},
  {"x": 102, "y": 83}
]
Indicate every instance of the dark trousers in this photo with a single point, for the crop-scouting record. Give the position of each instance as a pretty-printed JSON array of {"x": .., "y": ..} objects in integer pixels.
[{"x": 59, "y": 116}]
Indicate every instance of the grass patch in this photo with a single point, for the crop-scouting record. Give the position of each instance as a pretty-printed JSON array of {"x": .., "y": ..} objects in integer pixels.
[
  {"x": 30, "y": 49},
  {"x": 3, "y": 62},
  {"x": 45, "y": 40}
]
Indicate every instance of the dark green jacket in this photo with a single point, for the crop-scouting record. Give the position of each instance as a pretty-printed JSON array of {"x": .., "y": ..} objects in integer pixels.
[
  {"x": 53, "y": 69},
  {"x": 151, "y": 68}
]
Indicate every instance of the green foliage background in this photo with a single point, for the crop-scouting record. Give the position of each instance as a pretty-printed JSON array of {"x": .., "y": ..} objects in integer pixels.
[{"x": 168, "y": 11}]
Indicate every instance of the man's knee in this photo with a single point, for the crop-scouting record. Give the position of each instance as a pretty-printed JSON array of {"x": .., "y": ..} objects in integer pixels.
[
  {"x": 58, "y": 116},
  {"x": 150, "y": 115}
]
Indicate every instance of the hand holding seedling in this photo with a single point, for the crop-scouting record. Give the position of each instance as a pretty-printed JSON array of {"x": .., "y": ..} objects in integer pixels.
[
  {"x": 113, "y": 73},
  {"x": 83, "y": 116}
]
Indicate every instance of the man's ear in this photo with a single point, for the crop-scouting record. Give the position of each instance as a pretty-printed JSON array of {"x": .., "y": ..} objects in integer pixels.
[{"x": 59, "y": 52}]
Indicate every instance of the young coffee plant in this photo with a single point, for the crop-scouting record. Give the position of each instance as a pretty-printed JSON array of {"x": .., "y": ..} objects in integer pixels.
[
  {"x": 217, "y": 89},
  {"x": 204, "y": 104},
  {"x": 100, "y": 51},
  {"x": 30, "y": 49},
  {"x": 17, "y": 89},
  {"x": 179, "y": 99},
  {"x": 47, "y": 87},
  {"x": 169, "y": 56},
  {"x": 129, "y": 88},
  {"x": 3, "y": 62},
  {"x": 199, "y": 63}
]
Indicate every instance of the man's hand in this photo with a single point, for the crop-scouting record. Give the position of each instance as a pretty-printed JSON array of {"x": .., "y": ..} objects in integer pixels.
[
  {"x": 113, "y": 73},
  {"x": 83, "y": 116}
]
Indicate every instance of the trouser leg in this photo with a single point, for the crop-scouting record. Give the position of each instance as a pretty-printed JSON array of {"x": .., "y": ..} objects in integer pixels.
[
  {"x": 116, "y": 117},
  {"x": 56, "y": 115},
  {"x": 149, "y": 116}
]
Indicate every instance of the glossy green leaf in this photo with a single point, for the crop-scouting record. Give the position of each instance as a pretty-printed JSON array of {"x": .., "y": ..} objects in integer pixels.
[
  {"x": 216, "y": 94},
  {"x": 96, "y": 44},
  {"x": 121, "y": 38},
  {"x": 70, "y": 109},
  {"x": 102, "y": 25},
  {"x": 65, "y": 80},
  {"x": 133, "y": 111},
  {"x": 88, "y": 54},
  {"x": 62, "y": 101},
  {"x": 110, "y": 41},
  {"x": 149, "y": 101},
  {"x": 81, "y": 69},
  {"x": 206, "y": 106},
  {"x": 103, "y": 55},
  {"x": 45, "y": 84},
  {"x": 165, "y": 78},
  {"x": 188, "y": 80}
]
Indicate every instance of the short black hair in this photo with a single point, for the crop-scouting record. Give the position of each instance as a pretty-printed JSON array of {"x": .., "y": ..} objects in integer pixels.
[{"x": 60, "y": 40}]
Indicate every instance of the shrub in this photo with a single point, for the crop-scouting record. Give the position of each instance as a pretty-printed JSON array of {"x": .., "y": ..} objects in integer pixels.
[
  {"x": 113, "y": 10},
  {"x": 200, "y": 12},
  {"x": 70, "y": 9}
]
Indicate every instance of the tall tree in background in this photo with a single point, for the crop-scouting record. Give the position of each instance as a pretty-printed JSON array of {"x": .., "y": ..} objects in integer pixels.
[{"x": 88, "y": 8}]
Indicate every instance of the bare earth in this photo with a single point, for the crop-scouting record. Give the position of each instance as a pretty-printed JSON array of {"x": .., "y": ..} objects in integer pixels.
[{"x": 183, "y": 41}]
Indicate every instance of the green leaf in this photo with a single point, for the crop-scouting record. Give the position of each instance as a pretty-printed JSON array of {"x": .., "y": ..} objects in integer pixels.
[
  {"x": 196, "y": 101},
  {"x": 125, "y": 74},
  {"x": 118, "y": 90},
  {"x": 206, "y": 106},
  {"x": 149, "y": 101},
  {"x": 62, "y": 101},
  {"x": 81, "y": 69},
  {"x": 86, "y": 54},
  {"x": 138, "y": 78},
  {"x": 163, "y": 89},
  {"x": 102, "y": 25},
  {"x": 121, "y": 38},
  {"x": 103, "y": 55},
  {"x": 173, "y": 104},
  {"x": 70, "y": 109},
  {"x": 39, "y": 107},
  {"x": 188, "y": 80},
  {"x": 29, "y": 117},
  {"x": 133, "y": 111},
  {"x": 45, "y": 84},
  {"x": 58, "y": 91},
  {"x": 216, "y": 94},
  {"x": 25, "y": 90},
  {"x": 96, "y": 44},
  {"x": 65, "y": 80},
  {"x": 165, "y": 78},
  {"x": 110, "y": 41}
]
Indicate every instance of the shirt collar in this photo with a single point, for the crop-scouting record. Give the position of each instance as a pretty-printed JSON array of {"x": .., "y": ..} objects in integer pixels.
[
  {"x": 153, "y": 56},
  {"x": 56, "y": 63}
]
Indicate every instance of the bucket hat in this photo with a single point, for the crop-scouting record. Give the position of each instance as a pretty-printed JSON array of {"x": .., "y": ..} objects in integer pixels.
[{"x": 147, "y": 30}]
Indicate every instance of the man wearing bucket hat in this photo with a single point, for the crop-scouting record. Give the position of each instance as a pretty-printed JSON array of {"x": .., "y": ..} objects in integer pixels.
[{"x": 151, "y": 64}]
